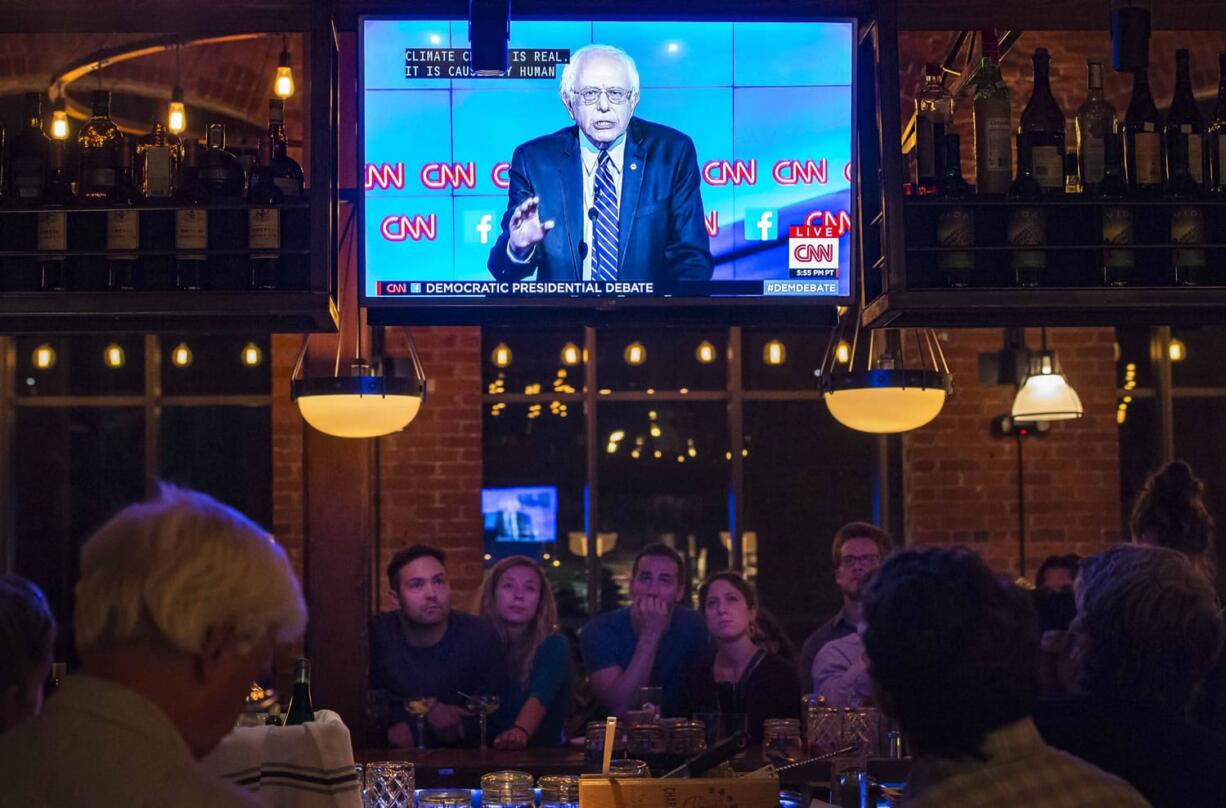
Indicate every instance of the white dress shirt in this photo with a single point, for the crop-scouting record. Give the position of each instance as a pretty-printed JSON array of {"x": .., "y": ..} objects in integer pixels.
[{"x": 590, "y": 156}]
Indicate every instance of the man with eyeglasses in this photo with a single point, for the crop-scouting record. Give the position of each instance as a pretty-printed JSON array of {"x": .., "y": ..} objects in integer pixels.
[
  {"x": 611, "y": 199},
  {"x": 856, "y": 551}
]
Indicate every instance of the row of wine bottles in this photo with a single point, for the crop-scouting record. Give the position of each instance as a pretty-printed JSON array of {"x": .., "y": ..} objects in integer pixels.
[
  {"x": 1146, "y": 154},
  {"x": 120, "y": 175}
]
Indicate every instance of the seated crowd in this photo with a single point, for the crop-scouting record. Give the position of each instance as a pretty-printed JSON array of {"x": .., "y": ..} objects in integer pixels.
[{"x": 1104, "y": 686}]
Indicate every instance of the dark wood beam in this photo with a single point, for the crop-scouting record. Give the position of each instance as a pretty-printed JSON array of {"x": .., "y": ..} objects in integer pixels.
[{"x": 1050, "y": 15}]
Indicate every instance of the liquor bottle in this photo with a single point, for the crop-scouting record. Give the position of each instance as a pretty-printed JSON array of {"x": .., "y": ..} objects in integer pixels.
[
  {"x": 264, "y": 220},
  {"x": 1027, "y": 227},
  {"x": 934, "y": 116},
  {"x": 1184, "y": 134},
  {"x": 98, "y": 145},
  {"x": 159, "y": 157},
  {"x": 220, "y": 170},
  {"x": 1217, "y": 134},
  {"x": 1119, "y": 262},
  {"x": 300, "y": 710},
  {"x": 1188, "y": 266},
  {"x": 28, "y": 167},
  {"x": 123, "y": 228},
  {"x": 1095, "y": 122},
  {"x": 1142, "y": 138},
  {"x": 191, "y": 223},
  {"x": 993, "y": 150},
  {"x": 955, "y": 223},
  {"x": 286, "y": 173},
  {"x": 53, "y": 222},
  {"x": 1040, "y": 132},
  {"x": 1072, "y": 175}
]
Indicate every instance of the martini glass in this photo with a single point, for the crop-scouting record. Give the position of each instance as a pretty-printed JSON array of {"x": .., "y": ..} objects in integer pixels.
[
  {"x": 418, "y": 707},
  {"x": 483, "y": 706}
]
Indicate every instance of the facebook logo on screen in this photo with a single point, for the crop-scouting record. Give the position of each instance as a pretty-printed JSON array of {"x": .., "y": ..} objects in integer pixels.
[
  {"x": 478, "y": 227},
  {"x": 760, "y": 224}
]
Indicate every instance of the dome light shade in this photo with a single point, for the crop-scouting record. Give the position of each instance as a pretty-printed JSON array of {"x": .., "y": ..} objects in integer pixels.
[
  {"x": 887, "y": 401},
  {"x": 1046, "y": 395},
  {"x": 358, "y": 406}
]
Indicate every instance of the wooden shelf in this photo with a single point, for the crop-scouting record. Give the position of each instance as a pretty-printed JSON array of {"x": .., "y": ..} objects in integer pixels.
[{"x": 272, "y": 311}]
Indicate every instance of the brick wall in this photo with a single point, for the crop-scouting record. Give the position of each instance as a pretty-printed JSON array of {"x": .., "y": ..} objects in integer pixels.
[{"x": 960, "y": 482}]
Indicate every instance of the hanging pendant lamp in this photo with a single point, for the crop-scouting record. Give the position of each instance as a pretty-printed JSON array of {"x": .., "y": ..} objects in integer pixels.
[
  {"x": 369, "y": 402},
  {"x": 1045, "y": 394},
  {"x": 883, "y": 387}
]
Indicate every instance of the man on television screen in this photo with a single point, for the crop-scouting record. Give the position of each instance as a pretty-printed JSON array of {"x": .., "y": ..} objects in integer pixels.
[{"x": 613, "y": 198}]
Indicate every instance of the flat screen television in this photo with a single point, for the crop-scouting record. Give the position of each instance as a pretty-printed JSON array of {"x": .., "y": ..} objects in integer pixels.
[
  {"x": 523, "y": 514},
  {"x": 618, "y": 165}
]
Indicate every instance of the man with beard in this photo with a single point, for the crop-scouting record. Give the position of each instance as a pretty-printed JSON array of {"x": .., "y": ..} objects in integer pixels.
[{"x": 426, "y": 650}]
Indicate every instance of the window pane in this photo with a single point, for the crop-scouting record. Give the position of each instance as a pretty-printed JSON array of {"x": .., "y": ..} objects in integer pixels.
[
  {"x": 236, "y": 470},
  {"x": 74, "y": 468},
  {"x": 664, "y": 477},
  {"x": 1140, "y": 452},
  {"x": 805, "y": 476},
  {"x": 547, "y": 359},
  {"x": 1202, "y": 352},
  {"x": 1133, "y": 356},
  {"x": 86, "y": 365},
  {"x": 782, "y": 359},
  {"x": 215, "y": 364},
  {"x": 632, "y": 359}
]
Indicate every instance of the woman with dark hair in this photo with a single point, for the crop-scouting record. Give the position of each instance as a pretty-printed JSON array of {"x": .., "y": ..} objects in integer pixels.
[
  {"x": 741, "y": 675},
  {"x": 1170, "y": 512},
  {"x": 27, "y": 634},
  {"x": 517, "y": 599}
]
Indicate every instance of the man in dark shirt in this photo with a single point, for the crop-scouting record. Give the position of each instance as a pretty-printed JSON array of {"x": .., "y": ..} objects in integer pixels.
[
  {"x": 424, "y": 649},
  {"x": 1147, "y": 632},
  {"x": 856, "y": 550},
  {"x": 654, "y": 641}
]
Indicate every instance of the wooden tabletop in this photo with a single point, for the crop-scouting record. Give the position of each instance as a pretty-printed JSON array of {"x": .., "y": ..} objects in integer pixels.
[{"x": 462, "y": 768}]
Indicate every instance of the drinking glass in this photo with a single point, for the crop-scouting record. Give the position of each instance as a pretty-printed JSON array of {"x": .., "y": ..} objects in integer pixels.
[
  {"x": 559, "y": 791},
  {"x": 445, "y": 798},
  {"x": 650, "y": 699},
  {"x": 781, "y": 742},
  {"x": 862, "y": 728},
  {"x": 627, "y": 768},
  {"x": 507, "y": 789},
  {"x": 483, "y": 706},
  {"x": 419, "y": 707},
  {"x": 388, "y": 784}
]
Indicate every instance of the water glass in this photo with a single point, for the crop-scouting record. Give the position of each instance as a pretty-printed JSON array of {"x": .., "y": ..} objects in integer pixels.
[
  {"x": 445, "y": 798},
  {"x": 823, "y": 727},
  {"x": 627, "y": 768},
  {"x": 559, "y": 791},
  {"x": 650, "y": 699},
  {"x": 781, "y": 742},
  {"x": 507, "y": 789},
  {"x": 388, "y": 784},
  {"x": 862, "y": 728},
  {"x": 593, "y": 746}
]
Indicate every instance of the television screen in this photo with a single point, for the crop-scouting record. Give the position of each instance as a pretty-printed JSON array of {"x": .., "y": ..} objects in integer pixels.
[
  {"x": 616, "y": 164},
  {"x": 520, "y": 514}
]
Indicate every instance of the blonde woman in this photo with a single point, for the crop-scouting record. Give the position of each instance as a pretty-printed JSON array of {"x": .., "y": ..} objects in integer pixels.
[{"x": 517, "y": 599}]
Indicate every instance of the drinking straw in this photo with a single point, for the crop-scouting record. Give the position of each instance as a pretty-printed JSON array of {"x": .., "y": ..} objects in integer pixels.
[{"x": 610, "y": 731}]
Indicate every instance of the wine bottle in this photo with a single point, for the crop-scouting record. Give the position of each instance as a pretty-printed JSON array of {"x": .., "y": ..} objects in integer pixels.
[
  {"x": 955, "y": 223},
  {"x": 264, "y": 220},
  {"x": 1187, "y": 258},
  {"x": 52, "y": 222},
  {"x": 28, "y": 167},
  {"x": 1027, "y": 227},
  {"x": 191, "y": 223},
  {"x": 993, "y": 152},
  {"x": 220, "y": 170},
  {"x": 159, "y": 158},
  {"x": 1142, "y": 138},
  {"x": 1184, "y": 134},
  {"x": 98, "y": 145},
  {"x": 1040, "y": 132},
  {"x": 1095, "y": 122},
  {"x": 300, "y": 710},
  {"x": 286, "y": 173},
  {"x": 123, "y": 227},
  {"x": 934, "y": 113},
  {"x": 1217, "y": 134},
  {"x": 1072, "y": 175},
  {"x": 1117, "y": 231}
]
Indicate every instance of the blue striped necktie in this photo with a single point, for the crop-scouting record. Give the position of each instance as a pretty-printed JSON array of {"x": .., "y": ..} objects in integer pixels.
[{"x": 604, "y": 229}]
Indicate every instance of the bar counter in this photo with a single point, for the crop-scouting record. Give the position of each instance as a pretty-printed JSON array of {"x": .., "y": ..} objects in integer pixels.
[{"x": 462, "y": 767}]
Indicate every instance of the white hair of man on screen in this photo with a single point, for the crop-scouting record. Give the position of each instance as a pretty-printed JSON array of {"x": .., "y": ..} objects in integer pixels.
[
  {"x": 168, "y": 571},
  {"x": 570, "y": 73}
]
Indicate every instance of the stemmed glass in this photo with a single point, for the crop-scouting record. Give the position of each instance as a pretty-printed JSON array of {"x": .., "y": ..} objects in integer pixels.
[
  {"x": 419, "y": 706},
  {"x": 483, "y": 706}
]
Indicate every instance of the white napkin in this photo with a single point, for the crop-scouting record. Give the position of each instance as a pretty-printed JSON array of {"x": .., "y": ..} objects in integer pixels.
[{"x": 304, "y": 766}]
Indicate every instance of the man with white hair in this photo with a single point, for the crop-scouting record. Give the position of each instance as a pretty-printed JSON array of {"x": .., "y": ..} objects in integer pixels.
[
  {"x": 613, "y": 198},
  {"x": 179, "y": 602}
]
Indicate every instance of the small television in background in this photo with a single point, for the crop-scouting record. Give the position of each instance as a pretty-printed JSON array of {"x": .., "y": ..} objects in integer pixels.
[{"x": 523, "y": 514}]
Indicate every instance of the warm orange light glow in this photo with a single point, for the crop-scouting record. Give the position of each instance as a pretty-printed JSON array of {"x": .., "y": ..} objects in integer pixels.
[
  {"x": 705, "y": 353},
  {"x": 570, "y": 354},
  {"x": 44, "y": 357},
  {"x": 113, "y": 355},
  {"x": 635, "y": 354},
  {"x": 181, "y": 356},
  {"x": 252, "y": 355},
  {"x": 774, "y": 353}
]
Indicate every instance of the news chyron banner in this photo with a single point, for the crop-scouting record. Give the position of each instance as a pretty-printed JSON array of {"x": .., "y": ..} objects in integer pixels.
[{"x": 767, "y": 105}]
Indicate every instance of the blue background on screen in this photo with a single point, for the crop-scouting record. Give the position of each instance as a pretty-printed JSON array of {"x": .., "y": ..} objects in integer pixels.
[
  {"x": 764, "y": 91},
  {"x": 535, "y": 510}
]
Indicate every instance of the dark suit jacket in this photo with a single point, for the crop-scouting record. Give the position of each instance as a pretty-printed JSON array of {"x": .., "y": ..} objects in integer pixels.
[{"x": 661, "y": 235}]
